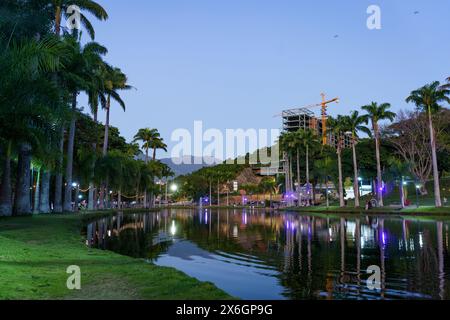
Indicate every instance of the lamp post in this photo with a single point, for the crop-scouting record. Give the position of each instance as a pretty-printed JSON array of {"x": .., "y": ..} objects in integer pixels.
[
  {"x": 417, "y": 194},
  {"x": 359, "y": 186}
]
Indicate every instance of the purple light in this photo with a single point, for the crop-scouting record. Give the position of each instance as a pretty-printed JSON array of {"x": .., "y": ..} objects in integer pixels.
[{"x": 383, "y": 237}]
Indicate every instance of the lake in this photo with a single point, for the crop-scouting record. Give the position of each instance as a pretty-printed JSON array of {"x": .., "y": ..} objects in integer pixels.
[{"x": 254, "y": 254}]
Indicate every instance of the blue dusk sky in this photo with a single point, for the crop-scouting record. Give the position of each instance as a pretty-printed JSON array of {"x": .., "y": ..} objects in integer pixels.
[{"x": 237, "y": 63}]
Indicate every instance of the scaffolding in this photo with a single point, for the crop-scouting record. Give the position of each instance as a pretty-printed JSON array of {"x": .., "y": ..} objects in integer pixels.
[{"x": 303, "y": 118}]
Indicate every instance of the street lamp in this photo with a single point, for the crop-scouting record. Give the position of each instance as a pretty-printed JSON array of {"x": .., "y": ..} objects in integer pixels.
[
  {"x": 417, "y": 194},
  {"x": 173, "y": 187}
]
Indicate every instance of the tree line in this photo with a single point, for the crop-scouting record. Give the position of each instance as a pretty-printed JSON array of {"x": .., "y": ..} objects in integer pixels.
[{"x": 49, "y": 148}]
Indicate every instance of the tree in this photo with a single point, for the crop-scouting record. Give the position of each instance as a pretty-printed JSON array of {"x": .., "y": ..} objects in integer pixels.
[
  {"x": 77, "y": 76},
  {"x": 114, "y": 81},
  {"x": 324, "y": 167},
  {"x": 355, "y": 123},
  {"x": 309, "y": 140},
  {"x": 337, "y": 127},
  {"x": 60, "y": 9},
  {"x": 378, "y": 113},
  {"x": 28, "y": 109},
  {"x": 428, "y": 99},
  {"x": 146, "y": 136},
  {"x": 397, "y": 171},
  {"x": 268, "y": 185}
]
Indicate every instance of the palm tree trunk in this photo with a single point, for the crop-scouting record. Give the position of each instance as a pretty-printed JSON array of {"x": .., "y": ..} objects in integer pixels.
[
  {"x": 67, "y": 206},
  {"x": 105, "y": 141},
  {"x": 119, "y": 200},
  {"x": 307, "y": 173},
  {"x": 57, "y": 204},
  {"x": 37, "y": 192},
  {"x": 402, "y": 194},
  {"x": 377, "y": 153},
  {"x": 22, "y": 201},
  {"x": 218, "y": 193},
  {"x": 92, "y": 189},
  {"x": 298, "y": 179},
  {"x": 437, "y": 190},
  {"x": 340, "y": 188},
  {"x": 5, "y": 187},
  {"x": 210, "y": 192},
  {"x": 167, "y": 182},
  {"x": 58, "y": 20},
  {"x": 355, "y": 176},
  {"x": 44, "y": 201}
]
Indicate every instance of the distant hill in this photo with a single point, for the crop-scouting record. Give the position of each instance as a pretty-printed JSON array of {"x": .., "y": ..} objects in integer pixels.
[{"x": 188, "y": 164}]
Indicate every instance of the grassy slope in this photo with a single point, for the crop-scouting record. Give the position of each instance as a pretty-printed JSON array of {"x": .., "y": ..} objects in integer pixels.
[{"x": 35, "y": 252}]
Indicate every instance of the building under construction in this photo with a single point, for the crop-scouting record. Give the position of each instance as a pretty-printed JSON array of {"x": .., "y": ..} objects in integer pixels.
[{"x": 303, "y": 118}]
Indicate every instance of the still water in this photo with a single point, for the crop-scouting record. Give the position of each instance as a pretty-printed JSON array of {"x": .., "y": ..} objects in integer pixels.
[{"x": 254, "y": 254}]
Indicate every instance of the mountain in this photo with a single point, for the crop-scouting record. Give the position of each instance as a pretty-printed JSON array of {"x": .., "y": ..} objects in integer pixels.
[{"x": 187, "y": 164}]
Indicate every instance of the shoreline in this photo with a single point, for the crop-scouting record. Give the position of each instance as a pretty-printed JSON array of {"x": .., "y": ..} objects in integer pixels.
[{"x": 36, "y": 251}]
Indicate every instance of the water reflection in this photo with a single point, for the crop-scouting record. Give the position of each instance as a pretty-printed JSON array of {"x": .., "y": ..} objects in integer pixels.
[{"x": 260, "y": 255}]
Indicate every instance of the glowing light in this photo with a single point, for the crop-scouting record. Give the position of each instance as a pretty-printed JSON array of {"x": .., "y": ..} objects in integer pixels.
[
  {"x": 173, "y": 187},
  {"x": 80, "y": 197},
  {"x": 74, "y": 184},
  {"x": 359, "y": 179},
  {"x": 421, "y": 239},
  {"x": 173, "y": 228}
]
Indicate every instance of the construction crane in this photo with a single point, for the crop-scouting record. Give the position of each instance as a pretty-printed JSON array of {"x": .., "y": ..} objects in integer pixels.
[{"x": 324, "y": 104}]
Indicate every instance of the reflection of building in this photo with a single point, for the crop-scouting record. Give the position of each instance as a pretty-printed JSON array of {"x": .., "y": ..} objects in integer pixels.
[{"x": 303, "y": 118}]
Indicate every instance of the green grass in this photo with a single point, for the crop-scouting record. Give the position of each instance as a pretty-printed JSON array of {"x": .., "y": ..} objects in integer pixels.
[{"x": 36, "y": 251}]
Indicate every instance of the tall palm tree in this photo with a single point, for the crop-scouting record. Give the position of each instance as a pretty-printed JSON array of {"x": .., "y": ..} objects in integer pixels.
[
  {"x": 114, "y": 81},
  {"x": 355, "y": 124},
  {"x": 378, "y": 113},
  {"x": 337, "y": 126},
  {"x": 83, "y": 63},
  {"x": 28, "y": 110},
  {"x": 147, "y": 136},
  {"x": 60, "y": 10},
  {"x": 308, "y": 139},
  {"x": 428, "y": 99},
  {"x": 288, "y": 145}
]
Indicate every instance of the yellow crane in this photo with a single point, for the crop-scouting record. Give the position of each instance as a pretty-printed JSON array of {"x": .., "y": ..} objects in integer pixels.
[{"x": 324, "y": 104}]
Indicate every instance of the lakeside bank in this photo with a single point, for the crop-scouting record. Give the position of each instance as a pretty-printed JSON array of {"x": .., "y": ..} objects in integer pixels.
[{"x": 35, "y": 252}]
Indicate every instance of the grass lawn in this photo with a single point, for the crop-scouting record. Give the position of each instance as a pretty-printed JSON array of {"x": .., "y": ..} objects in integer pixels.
[{"x": 36, "y": 251}]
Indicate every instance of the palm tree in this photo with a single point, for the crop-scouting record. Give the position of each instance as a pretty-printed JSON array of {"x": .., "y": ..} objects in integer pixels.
[
  {"x": 114, "y": 80},
  {"x": 428, "y": 99},
  {"x": 77, "y": 77},
  {"x": 27, "y": 110},
  {"x": 355, "y": 123},
  {"x": 324, "y": 167},
  {"x": 166, "y": 173},
  {"x": 308, "y": 139},
  {"x": 288, "y": 145},
  {"x": 147, "y": 136},
  {"x": 337, "y": 127},
  {"x": 60, "y": 9},
  {"x": 151, "y": 140},
  {"x": 378, "y": 113},
  {"x": 268, "y": 185}
]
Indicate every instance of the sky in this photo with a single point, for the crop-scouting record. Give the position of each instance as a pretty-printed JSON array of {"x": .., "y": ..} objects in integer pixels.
[{"x": 237, "y": 63}]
